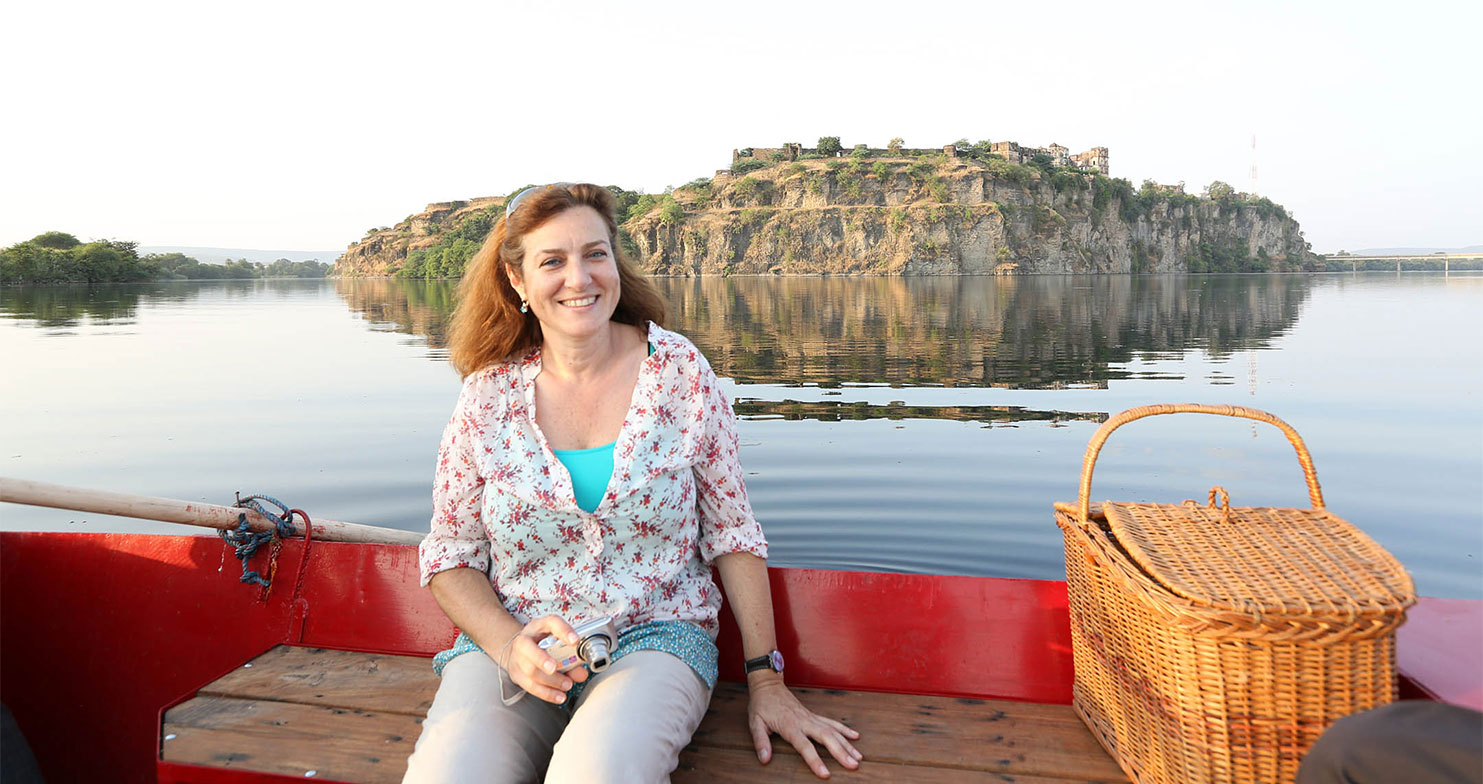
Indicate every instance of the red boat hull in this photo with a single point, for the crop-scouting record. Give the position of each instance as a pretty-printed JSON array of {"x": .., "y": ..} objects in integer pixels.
[{"x": 102, "y": 631}]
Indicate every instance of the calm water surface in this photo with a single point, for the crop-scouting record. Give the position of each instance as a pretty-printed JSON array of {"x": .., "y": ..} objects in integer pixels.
[{"x": 921, "y": 425}]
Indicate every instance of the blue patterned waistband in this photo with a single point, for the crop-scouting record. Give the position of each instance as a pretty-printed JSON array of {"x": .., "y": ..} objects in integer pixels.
[{"x": 682, "y": 639}]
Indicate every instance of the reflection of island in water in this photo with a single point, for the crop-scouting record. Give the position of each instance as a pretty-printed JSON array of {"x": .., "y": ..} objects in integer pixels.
[
  {"x": 58, "y": 309},
  {"x": 840, "y": 411},
  {"x": 1018, "y": 332}
]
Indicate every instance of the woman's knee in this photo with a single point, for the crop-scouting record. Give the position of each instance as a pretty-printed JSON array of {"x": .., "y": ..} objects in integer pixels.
[
  {"x": 1405, "y": 741},
  {"x": 633, "y": 724}
]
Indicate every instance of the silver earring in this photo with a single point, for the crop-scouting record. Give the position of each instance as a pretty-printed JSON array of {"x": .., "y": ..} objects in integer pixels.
[{"x": 524, "y": 308}]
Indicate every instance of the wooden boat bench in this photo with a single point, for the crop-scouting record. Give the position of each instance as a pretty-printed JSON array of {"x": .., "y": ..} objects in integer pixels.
[{"x": 334, "y": 715}]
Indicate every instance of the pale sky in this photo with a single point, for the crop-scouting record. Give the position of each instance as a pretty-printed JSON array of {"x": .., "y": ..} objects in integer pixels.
[{"x": 299, "y": 125}]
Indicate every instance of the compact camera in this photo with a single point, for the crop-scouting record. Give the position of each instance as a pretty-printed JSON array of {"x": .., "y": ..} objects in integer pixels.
[{"x": 596, "y": 640}]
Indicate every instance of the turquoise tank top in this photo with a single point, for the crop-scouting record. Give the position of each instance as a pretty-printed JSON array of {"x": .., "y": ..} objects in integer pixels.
[{"x": 591, "y": 469}]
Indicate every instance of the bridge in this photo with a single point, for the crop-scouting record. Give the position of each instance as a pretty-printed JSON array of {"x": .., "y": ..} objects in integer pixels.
[{"x": 1445, "y": 258}]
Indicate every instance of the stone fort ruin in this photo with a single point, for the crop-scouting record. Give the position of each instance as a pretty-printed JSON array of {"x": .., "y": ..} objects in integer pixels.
[{"x": 1093, "y": 160}]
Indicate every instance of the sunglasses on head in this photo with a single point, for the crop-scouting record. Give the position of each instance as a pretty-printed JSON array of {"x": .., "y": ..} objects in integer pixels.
[{"x": 514, "y": 204}]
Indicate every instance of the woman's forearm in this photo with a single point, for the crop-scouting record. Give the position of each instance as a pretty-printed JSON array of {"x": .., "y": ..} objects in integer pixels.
[
  {"x": 744, "y": 578},
  {"x": 470, "y": 602}
]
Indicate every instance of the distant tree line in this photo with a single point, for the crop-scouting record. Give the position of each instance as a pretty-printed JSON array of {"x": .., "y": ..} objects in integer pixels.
[{"x": 58, "y": 258}]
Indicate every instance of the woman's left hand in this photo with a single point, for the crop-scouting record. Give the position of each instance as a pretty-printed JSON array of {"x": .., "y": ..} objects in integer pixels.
[{"x": 774, "y": 709}]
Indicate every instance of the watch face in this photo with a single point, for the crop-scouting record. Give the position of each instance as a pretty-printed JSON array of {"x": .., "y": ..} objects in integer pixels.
[{"x": 777, "y": 661}]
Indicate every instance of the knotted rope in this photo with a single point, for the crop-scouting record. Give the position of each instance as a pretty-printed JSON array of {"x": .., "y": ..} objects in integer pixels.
[{"x": 245, "y": 541}]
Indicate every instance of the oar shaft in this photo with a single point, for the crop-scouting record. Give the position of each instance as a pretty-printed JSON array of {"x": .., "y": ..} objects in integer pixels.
[{"x": 170, "y": 510}]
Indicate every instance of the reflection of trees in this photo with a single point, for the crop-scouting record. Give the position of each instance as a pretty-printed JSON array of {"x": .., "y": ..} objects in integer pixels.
[
  {"x": 57, "y": 307},
  {"x": 413, "y": 307},
  {"x": 66, "y": 306},
  {"x": 1023, "y": 331},
  {"x": 1019, "y": 331}
]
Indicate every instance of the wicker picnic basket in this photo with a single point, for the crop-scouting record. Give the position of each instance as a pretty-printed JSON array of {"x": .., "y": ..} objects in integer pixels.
[{"x": 1215, "y": 643}]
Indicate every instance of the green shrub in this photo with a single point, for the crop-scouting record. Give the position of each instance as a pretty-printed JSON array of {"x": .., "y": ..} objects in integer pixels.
[
  {"x": 939, "y": 190},
  {"x": 744, "y": 165},
  {"x": 747, "y": 187},
  {"x": 880, "y": 169},
  {"x": 1067, "y": 180},
  {"x": 755, "y": 215},
  {"x": 898, "y": 220},
  {"x": 829, "y": 146}
]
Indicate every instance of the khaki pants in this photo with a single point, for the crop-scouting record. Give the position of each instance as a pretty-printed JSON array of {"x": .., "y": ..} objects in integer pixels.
[
  {"x": 628, "y": 725},
  {"x": 1414, "y": 741}
]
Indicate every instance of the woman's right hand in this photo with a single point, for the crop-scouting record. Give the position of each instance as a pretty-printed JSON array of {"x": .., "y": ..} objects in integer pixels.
[{"x": 529, "y": 666}]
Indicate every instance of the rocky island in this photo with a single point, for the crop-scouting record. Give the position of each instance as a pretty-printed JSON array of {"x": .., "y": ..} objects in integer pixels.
[{"x": 964, "y": 208}]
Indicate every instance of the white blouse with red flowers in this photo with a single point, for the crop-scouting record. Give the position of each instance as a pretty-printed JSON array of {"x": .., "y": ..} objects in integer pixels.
[{"x": 676, "y": 499}]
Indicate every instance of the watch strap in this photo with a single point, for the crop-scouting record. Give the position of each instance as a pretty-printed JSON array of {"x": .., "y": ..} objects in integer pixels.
[{"x": 772, "y": 660}]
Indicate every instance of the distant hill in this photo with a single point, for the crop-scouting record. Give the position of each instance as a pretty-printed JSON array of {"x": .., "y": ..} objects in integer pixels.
[
  {"x": 887, "y": 212},
  {"x": 1420, "y": 251},
  {"x": 220, "y": 255}
]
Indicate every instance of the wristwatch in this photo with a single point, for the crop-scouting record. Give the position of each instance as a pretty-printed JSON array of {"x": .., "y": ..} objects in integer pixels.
[{"x": 772, "y": 660}]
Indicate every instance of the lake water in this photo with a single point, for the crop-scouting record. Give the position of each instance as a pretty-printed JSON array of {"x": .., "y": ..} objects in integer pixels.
[{"x": 921, "y": 425}]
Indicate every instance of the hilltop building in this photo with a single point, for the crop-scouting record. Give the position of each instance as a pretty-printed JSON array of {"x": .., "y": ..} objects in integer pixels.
[{"x": 1094, "y": 160}]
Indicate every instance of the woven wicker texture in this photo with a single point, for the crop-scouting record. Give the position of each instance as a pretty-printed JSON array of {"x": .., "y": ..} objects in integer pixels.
[{"x": 1215, "y": 643}]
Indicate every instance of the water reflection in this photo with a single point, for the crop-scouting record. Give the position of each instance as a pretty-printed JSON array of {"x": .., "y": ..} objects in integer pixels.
[
  {"x": 842, "y": 411},
  {"x": 857, "y": 457},
  {"x": 58, "y": 309},
  {"x": 1023, "y": 333},
  {"x": 411, "y": 307}
]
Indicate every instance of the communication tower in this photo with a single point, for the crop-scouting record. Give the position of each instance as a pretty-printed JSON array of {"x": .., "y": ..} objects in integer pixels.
[{"x": 1252, "y": 184}]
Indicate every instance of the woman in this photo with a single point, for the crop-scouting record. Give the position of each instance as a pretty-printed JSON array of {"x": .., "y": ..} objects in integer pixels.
[{"x": 589, "y": 470}]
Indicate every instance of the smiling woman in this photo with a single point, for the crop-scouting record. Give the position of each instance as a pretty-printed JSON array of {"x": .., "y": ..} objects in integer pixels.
[
  {"x": 489, "y": 324},
  {"x": 587, "y": 484}
]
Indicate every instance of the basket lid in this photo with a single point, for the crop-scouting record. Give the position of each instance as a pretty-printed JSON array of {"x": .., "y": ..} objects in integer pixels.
[{"x": 1262, "y": 560}]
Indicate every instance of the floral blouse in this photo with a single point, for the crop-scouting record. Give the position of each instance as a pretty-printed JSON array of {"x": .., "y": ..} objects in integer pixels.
[{"x": 503, "y": 503}]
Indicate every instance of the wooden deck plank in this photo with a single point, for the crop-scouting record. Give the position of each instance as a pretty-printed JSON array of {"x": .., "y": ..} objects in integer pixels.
[
  {"x": 330, "y": 678},
  {"x": 985, "y": 735},
  {"x": 290, "y": 739},
  {"x": 729, "y": 766},
  {"x": 356, "y": 716}
]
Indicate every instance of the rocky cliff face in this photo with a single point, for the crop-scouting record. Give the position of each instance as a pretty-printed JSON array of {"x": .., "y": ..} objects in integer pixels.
[
  {"x": 382, "y": 251},
  {"x": 904, "y": 217}
]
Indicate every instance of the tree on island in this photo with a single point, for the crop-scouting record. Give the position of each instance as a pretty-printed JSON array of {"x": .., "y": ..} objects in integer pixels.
[
  {"x": 56, "y": 240},
  {"x": 58, "y": 257},
  {"x": 1220, "y": 191}
]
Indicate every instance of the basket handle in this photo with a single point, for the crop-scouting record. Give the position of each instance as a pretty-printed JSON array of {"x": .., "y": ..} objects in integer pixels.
[{"x": 1084, "y": 501}]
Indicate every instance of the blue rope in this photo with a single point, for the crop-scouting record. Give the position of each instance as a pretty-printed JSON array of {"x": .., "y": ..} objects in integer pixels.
[{"x": 245, "y": 541}]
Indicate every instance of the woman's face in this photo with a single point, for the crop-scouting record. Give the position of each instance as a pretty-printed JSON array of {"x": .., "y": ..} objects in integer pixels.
[{"x": 569, "y": 275}]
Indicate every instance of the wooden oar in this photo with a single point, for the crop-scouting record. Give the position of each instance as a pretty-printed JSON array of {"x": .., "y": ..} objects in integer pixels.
[{"x": 170, "y": 510}]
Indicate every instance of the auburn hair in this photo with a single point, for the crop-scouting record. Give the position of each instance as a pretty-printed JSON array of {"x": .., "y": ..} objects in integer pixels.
[{"x": 488, "y": 326}]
